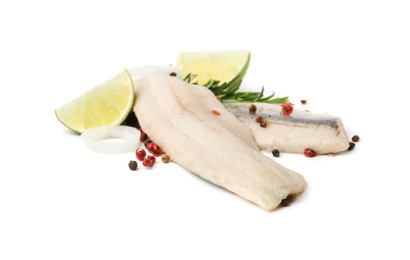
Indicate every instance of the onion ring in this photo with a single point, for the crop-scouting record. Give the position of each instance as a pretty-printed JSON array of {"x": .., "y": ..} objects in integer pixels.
[{"x": 98, "y": 139}]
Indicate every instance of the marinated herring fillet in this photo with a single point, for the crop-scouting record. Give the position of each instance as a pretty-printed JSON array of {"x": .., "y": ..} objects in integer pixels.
[
  {"x": 323, "y": 133},
  {"x": 183, "y": 119}
]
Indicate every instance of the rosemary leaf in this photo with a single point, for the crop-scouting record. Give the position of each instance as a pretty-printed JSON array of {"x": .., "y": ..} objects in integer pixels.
[
  {"x": 261, "y": 94},
  {"x": 277, "y": 100},
  {"x": 268, "y": 97}
]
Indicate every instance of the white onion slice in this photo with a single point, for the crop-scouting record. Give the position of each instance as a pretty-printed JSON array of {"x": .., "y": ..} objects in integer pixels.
[
  {"x": 112, "y": 139},
  {"x": 143, "y": 71}
]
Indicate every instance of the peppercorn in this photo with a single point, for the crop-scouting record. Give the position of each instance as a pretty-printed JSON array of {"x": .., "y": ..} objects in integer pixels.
[
  {"x": 289, "y": 199},
  {"x": 275, "y": 153},
  {"x": 259, "y": 119},
  {"x": 264, "y": 124},
  {"x": 147, "y": 162},
  {"x": 154, "y": 149},
  {"x": 173, "y": 74},
  {"x": 143, "y": 135},
  {"x": 152, "y": 158},
  {"x": 309, "y": 152},
  {"x": 140, "y": 154},
  {"x": 252, "y": 108},
  {"x": 165, "y": 158},
  {"x": 133, "y": 165},
  {"x": 351, "y": 146},
  {"x": 215, "y": 112},
  {"x": 303, "y": 101},
  {"x": 149, "y": 146},
  {"x": 355, "y": 138},
  {"x": 287, "y": 108}
]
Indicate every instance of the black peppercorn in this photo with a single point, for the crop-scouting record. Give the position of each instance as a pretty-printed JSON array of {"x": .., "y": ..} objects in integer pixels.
[
  {"x": 275, "y": 153},
  {"x": 133, "y": 165},
  {"x": 264, "y": 123},
  {"x": 259, "y": 119},
  {"x": 351, "y": 146},
  {"x": 355, "y": 138},
  {"x": 252, "y": 108}
]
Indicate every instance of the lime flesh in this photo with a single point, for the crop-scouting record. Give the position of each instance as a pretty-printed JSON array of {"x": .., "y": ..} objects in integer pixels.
[
  {"x": 106, "y": 104},
  {"x": 224, "y": 66}
]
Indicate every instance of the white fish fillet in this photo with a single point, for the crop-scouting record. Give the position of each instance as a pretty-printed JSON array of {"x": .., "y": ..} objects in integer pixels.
[
  {"x": 178, "y": 116},
  {"x": 323, "y": 133}
]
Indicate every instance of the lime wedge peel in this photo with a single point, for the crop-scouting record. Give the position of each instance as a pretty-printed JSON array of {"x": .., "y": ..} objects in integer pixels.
[{"x": 106, "y": 104}]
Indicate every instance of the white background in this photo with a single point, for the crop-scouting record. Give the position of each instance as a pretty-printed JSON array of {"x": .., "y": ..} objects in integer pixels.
[{"x": 59, "y": 200}]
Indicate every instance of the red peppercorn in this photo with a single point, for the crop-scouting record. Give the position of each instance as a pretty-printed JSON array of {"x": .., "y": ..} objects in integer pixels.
[
  {"x": 152, "y": 158},
  {"x": 143, "y": 136},
  {"x": 140, "y": 153},
  {"x": 287, "y": 108},
  {"x": 149, "y": 146},
  {"x": 309, "y": 152},
  {"x": 154, "y": 149},
  {"x": 147, "y": 162},
  {"x": 215, "y": 112},
  {"x": 173, "y": 74}
]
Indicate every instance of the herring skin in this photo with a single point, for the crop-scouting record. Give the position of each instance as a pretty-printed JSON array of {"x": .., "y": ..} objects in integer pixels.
[
  {"x": 218, "y": 148},
  {"x": 323, "y": 133}
]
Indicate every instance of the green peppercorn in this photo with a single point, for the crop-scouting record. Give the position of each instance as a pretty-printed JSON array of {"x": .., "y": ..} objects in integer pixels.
[{"x": 165, "y": 158}]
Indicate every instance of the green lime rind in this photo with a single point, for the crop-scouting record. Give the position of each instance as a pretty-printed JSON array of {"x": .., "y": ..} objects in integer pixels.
[
  {"x": 238, "y": 79},
  {"x": 66, "y": 125}
]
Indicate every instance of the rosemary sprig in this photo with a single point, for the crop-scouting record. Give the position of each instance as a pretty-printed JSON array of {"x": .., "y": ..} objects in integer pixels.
[{"x": 230, "y": 93}]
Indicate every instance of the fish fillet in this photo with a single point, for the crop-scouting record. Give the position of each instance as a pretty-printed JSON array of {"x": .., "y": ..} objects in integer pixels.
[
  {"x": 323, "y": 133},
  {"x": 182, "y": 119}
]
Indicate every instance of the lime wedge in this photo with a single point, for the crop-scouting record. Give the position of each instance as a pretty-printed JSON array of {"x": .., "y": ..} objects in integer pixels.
[
  {"x": 224, "y": 66},
  {"x": 106, "y": 104}
]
